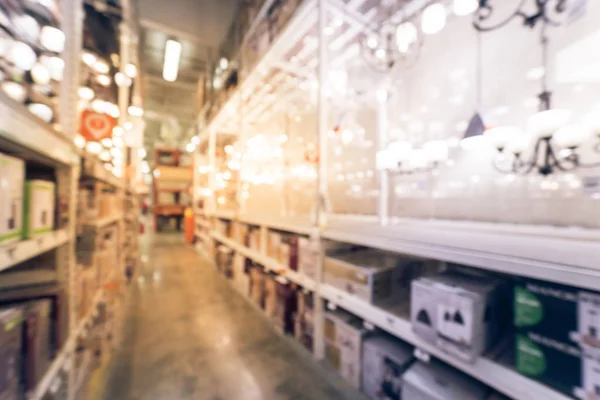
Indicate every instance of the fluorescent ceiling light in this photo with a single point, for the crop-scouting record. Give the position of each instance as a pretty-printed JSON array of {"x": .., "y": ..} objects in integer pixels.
[{"x": 172, "y": 56}]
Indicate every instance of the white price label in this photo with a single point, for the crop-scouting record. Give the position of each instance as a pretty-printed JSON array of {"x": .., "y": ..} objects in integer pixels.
[{"x": 421, "y": 355}]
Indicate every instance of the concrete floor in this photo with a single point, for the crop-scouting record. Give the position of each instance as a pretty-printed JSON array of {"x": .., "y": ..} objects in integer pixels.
[{"x": 189, "y": 335}]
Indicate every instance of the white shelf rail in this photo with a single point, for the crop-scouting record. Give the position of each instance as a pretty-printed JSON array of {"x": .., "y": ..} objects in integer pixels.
[{"x": 14, "y": 253}]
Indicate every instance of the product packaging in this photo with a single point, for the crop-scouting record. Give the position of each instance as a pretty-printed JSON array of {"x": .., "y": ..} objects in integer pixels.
[
  {"x": 385, "y": 359},
  {"x": 37, "y": 351},
  {"x": 11, "y": 333},
  {"x": 287, "y": 305},
  {"x": 38, "y": 208},
  {"x": 461, "y": 314},
  {"x": 303, "y": 320},
  {"x": 12, "y": 174}
]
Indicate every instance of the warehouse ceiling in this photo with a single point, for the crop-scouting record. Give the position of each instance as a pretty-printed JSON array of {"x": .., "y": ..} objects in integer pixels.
[{"x": 200, "y": 26}]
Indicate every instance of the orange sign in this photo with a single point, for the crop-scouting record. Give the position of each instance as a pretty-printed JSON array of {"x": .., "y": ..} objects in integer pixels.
[{"x": 95, "y": 126}]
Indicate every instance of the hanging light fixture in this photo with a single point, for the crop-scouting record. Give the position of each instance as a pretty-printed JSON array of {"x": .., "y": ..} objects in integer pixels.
[
  {"x": 104, "y": 80},
  {"x": 545, "y": 12},
  {"x": 433, "y": 19},
  {"x": 89, "y": 58},
  {"x": 14, "y": 90},
  {"x": 22, "y": 56},
  {"x": 40, "y": 74},
  {"x": 101, "y": 66},
  {"x": 86, "y": 93},
  {"x": 464, "y": 7},
  {"x": 122, "y": 80},
  {"x": 41, "y": 110},
  {"x": 131, "y": 70},
  {"x": 52, "y": 39}
]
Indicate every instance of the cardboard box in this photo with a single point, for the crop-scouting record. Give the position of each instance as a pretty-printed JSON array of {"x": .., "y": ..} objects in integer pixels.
[
  {"x": 308, "y": 257},
  {"x": 560, "y": 365},
  {"x": 12, "y": 174},
  {"x": 303, "y": 320},
  {"x": 373, "y": 276},
  {"x": 253, "y": 238},
  {"x": 343, "y": 345},
  {"x": 287, "y": 305},
  {"x": 224, "y": 261},
  {"x": 437, "y": 381},
  {"x": 566, "y": 314},
  {"x": 270, "y": 305},
  {"x": 292, "y": 242},
  {"x": 38, "y": 208},
  {"x": 11, "y": 334},
  {"x": 461, "y": 314},
  {"x": 273, "y": 244},
  {"x": 37, "y": 351},
  {"x": 385, "y": 359}
]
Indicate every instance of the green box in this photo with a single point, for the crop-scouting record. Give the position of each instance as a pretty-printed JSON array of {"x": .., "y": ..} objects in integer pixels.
[{"x": 38, "y": 208}]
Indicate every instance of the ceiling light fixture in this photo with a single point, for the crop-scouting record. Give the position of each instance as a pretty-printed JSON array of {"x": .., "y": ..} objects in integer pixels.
[
  {"x": 131, "y": 70},
  {"x": 101, "y": 66},
  {"x": 122, "y": 80},
  {"x": 52, "y": 39},
  {"x": 464, "y": 7},
  {"x": 88, "y": 58},
  {"x": 172, "y": 57},
  {"x": 223, "y": 63},
  {"x": 104, "y": 80},
  {"x": 15, "y": 91},
  {"x": 86, "y": 93},
  {"x": 433, "y": 19},
  {"x": 40, "y": 74},
  {"x": 135, "y": 111}
]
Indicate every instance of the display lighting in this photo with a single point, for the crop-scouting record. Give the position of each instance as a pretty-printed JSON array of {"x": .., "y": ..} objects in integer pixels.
[
  {"x": 40, "y": 74},
  {"x": 142, "y": 153},
  {"x": 135, "y": 111},
  {"x": 190, "y": 147},
  {"x": 113, "y": 110},
  {"x": 122, "y": 80},
  {"x": 131, "y": 70},
  {"x": 88, "y": 58},
  {"x": 116, "y": 153},
  {"x": 203, "y": 169},
  {"x": 234, "y": 165},
  {"x": 108, "y": 166},
  {"x": 107, "y": 142},
  {"x": 52, "y": 39},
  {"x": 101, "y": 67},
  {"x": 104, "y": 80},
  {"x": 22, "y": 56},
  {"x": 195, "y": 140},
  {"x": 41, "y": 111},
  {"x": 406, "y": 35},
  {"x": 93, "y": 147},
  {"x": 27, "y": 27},
  {"x": 223, "y": 63},
  {"x": 539, "y": 11},
  {"x": 54, "y": 65},
  {"x": 433, "y": 19},
  {"x": 228, "y": 149},
  {"x": 86, "y": 93},
  {"x": 118, "y": 141},
  {"x": 464, "y": 7},
  {"x": 117, "y": 131},
  {"x": 104, "y": 155},
  {"x": 14, "y": 90},
  {"x": 79, "y": 141},
  {"x": 172, "y": 58},
  {"x": 145, "y": 167},
  {"x": 99, "y": 106}
]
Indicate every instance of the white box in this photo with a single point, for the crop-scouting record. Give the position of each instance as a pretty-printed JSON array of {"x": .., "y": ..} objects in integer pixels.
[
  {"x": 12, "y": 177},
  {"x": 437, "y": 381},
  {"x": 343, "y": 345},
  {"x": 385, "y": 359},
  {"x": 39, "y": 208}
]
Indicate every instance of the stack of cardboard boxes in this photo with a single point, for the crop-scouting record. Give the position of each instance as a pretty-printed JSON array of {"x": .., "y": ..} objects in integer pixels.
[{"x": 303, "y": 319}]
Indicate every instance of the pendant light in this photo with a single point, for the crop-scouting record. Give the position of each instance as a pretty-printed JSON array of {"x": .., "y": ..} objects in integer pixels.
[
  {"x": 101, "y": 66},
  {"x": 14, "y": 90},
  {"x": 22, "y": 56},
  {"x": 86, "y": 93},
  {"x": 464, "y": 7},
  {"x": 40, "y": 74},
  {"x": 131, "y": 70},
  {"x": 27, "y": 28},
  {"x": 122, "y": 80},
  {"x": 41, "y": 110},
  {"x": 52, "y": 39},
  {"x": 103, "y": 80},
  {"x": 54, "y": 65},
  {"x": 433, "y": 19},
  {"x": 88, "y": 58}
]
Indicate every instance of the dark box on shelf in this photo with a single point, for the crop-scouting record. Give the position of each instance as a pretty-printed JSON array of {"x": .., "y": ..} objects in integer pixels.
[
  {"x": 461, "y": 314},
  {"x": 11, "y": 333},
  {"x": 437, "y": 381},
  {"x": 37, "y": 339},
  {"x": 567, "y": 314},
  {"x": 303, "y": 320},
  {"x": 287, "y": 304},
  {"x": 385, "y": 359}
]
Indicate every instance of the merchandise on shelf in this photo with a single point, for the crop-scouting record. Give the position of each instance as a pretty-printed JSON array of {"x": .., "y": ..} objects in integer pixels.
[
  {"x": 257, "y": 284},
  {"x": 436, "y": 381},
  {"x": 385, "y": 359},
  {"x": 11, "y": 320},
  {"x": 37, "y": 341},
  {"x": 241, "y": 233},
  {"x": 461, "y": 314},
  {"x": 308, "y": 256},
  {"x": 12, "y": 174},
  {"x": 224, "y": 261},
  {"x": 270, "y": 296},
  {"x": 558, "y": 336},
  {"x": 252, "y": 240},
  {"x": 241, "y": 279},
  {"x": 373, "y": 276},
  {"x": 273, "y": 244},
  {"x": 38, "y": 210},
  {"x": 223, "y": 227},
  {"x": 303, "y": 320},
  {"x": 344, "y": 334},
  {"x": 292, "y": 242},
  {"x": 287, "y": 305},
  {"x": 87, "y": 205}
]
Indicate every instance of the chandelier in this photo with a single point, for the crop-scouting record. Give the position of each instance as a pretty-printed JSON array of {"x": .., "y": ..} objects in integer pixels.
[{"x": 551, "y": 143}]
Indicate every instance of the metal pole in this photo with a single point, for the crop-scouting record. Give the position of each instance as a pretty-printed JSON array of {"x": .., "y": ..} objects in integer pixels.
[
  {"x": 382, "y": 139},
  {"x": 321, "y": 189}
]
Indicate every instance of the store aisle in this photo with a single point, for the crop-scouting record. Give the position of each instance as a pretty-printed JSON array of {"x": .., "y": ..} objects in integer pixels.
[{"x": 191, "y": 336}]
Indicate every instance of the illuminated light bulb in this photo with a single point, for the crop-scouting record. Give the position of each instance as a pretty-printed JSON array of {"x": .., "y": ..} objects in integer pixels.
[
  {"x": 372, "y": 42},
  {"x": 40, "y": 74},
  {"x": 347, "y": 136},
  {"x": 221, "y": 200},
  {"x": 98, "y": 106},
  {"x": 464, "y": 7},
  {"x": 190, "y": 147},
  {"x": 79, "y": 141},
  {"x": 52, "y": 39},
  {"x": 27, "y": 27},
  {"x": 131, "y": 70},
  {"x": 571, "y": 136},
  {"x": 228, "y": 149},
  {"x": 226, "y": 175},
  {"x": 406, "y": 35},
  {"x": 384, "y": 159},
  {"x": 15, "y": 91},
  {"x": 436, "y": 150},
  {"x": 117, "y": 153},
  {"x": 108, "y": 166},
  {"x": 118, "y": 141},
  {"x": 93, "y": 147},
  {"x": 135, "y": 111},
  {"x": 128, "y": 126},
  {"x": 223, "y": 63},
  {"x": 196, "y": 140},
  {"x": 544, "y": 124},
  {"x": 22, "y": 56},
  {"x": 380, "y": 53},
  {"x": 88, "y": 58},
  {"x": 42, "y": 111},
  {"x": 401, "y": 150},
  {"x": 117, "y": 131},
  {"x": 142, "y": 153},
  {"x": 101, "y": 67},
  {"x": 107, "y": 142},
  {"x": 104, "y": 80},
  {"x": 113, "y": 110},
  {"x": 283, "y": 138},
  {"x": 499, "y": 137},
  {"x": 433, "y": 19},
  {"x": 104, "y": 155},
  {"x": 54, "y": 65},
  {"x": 86, "y": 93},
  {"x": 234, "y": 165}
]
